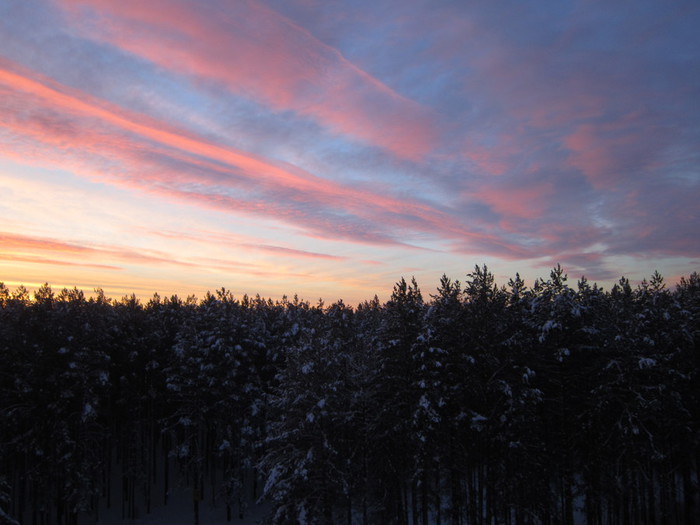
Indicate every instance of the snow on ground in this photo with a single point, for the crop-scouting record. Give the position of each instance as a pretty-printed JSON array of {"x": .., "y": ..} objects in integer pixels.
[{"x": 179, "y": 511}]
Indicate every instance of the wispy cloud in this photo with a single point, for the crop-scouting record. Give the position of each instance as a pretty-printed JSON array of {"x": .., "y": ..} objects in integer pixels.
[
  {"x": 256, "y": 52},
  {"x": 161, "y": 160},
  {"x": 54, "y": 262},
  {"x": 21, "y": 247},
  {"x": 291, "y": 252}
]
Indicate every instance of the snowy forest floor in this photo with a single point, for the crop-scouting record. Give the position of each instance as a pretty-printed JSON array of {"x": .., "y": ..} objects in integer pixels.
[{"x": 179, "y": 511}]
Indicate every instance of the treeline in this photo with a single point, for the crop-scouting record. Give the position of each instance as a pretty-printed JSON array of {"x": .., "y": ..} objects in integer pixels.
[{"x": 550, "y": 404}]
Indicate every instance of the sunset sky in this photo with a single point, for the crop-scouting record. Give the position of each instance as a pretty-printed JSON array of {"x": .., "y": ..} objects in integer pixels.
[{"x": 327, "y": 148}]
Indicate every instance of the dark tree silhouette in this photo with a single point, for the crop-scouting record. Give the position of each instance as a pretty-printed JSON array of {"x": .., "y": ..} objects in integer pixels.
[{"x": 481, "y": 405}]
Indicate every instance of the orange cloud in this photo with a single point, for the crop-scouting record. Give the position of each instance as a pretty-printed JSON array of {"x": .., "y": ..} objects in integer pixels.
[
  {"x": 54, "y": 262},
  {"x": 11, "y": 241},
  {"x": 18, "y": 247}
]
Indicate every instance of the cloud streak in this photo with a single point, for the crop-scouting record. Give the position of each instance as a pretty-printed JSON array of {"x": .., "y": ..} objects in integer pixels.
[
  {"x": 256, "y": 52},
  {"x": 167, "y": 162},
  {"x": 20, "y": 247}
]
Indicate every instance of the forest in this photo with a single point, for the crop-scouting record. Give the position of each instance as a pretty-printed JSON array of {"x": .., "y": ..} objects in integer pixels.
[{"x": 509, "y": 404}]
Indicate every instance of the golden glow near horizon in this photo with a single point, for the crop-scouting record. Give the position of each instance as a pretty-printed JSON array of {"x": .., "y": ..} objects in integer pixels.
[{"x": 269, "y": 148}]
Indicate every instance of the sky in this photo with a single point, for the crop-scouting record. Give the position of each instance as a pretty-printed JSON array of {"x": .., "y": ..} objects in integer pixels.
[{"x": 327, "y": 148}]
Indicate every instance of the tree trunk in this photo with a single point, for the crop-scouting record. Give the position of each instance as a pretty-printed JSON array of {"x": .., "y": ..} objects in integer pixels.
[
  {"x": 414, "y": 503},
  {"x": 454, "y": 497},
  {"x": 688, "y": 496},
  {"x": 424, "y": 495}
]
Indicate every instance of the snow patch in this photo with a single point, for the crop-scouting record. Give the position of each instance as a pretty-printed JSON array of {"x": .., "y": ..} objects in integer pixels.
[
  {"x": 647, "y": 362},
  {"x": 88, "y": 411}
]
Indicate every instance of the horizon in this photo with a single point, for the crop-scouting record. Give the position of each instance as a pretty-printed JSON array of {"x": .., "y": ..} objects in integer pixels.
[
  {"x": 327, "y": 149},
  {"x": 428, "y": 293}
]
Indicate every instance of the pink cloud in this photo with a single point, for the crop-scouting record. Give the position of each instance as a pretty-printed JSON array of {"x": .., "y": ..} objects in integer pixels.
[
  {"x": 290, "y": 252},
  {"x": 256, "y": 52},
  {"x": 513, "y": 202},
  {"x": 609, "y": 152},
  {"x": 60, "y": 131},
  {"x": 592, "y": 153},
  {"x": 488, "y": 160},
  {"x": 114, "y": 144}
]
